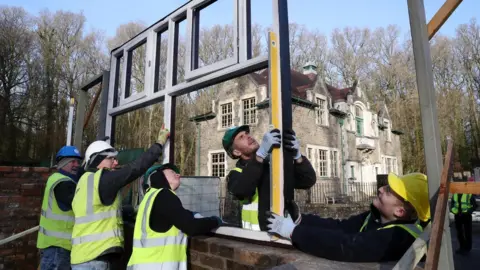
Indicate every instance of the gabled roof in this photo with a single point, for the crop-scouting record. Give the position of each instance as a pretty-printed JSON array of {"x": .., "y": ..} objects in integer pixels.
[
  {"x": 340, "y": 94},
  {"x": 299, "y": 83}
]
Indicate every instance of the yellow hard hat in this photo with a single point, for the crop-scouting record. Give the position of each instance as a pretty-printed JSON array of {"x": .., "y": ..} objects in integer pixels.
[{"x": 413, "y": 188}]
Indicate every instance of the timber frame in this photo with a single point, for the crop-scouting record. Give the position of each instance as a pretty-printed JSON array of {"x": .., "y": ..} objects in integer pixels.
[{"x": 242, "y": 63}]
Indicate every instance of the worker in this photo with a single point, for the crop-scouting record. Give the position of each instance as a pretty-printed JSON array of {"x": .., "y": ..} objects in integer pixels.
[
  {"x": 163, "y": 225},
  {"x": 396, "y": 218},
  {"x": 56, "y": 218},
  {"x": 97, "y": 238},
  {"x": 249, "y": 181},
  {"x": 462, "y": 207}
]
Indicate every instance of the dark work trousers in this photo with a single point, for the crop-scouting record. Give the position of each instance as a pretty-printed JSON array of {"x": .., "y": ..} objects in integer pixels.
[{"x": 463, "y": 224}]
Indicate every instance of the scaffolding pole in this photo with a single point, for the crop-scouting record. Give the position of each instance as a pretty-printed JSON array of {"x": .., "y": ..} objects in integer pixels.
[{"x": 428, "y": 110}]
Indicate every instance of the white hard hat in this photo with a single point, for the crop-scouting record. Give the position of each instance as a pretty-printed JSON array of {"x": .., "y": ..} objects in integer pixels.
[{"x": 98, "y": 147}]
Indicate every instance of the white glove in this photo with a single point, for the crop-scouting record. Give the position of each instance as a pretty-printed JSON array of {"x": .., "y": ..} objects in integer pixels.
[
  {"x": 282, "y": 226},
  {"x": 197, "y": 215},
  {"x": 270, "y": 140}
]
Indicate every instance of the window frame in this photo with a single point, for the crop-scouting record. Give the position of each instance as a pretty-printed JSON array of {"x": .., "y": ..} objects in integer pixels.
[
  {"x": 387, "y": 130},
  {"x": 393, "y": 164},
  {"x": 317, "y": 110},
  {"x": 220, "y": 114},
  {"x": 210, "y": 162},
  {"x": 312, "y": 149},
  {"x": 242, "y": 110}
]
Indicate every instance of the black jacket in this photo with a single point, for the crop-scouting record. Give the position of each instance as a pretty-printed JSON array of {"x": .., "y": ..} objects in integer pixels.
[
  {"x": 167, "y": 211},
  {"x": 341, "y": 240},
  {"x": 254, "y": 175}
]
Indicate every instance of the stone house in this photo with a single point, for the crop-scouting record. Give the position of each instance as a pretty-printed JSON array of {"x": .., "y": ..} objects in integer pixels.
[{"x": 346, "y": 138}]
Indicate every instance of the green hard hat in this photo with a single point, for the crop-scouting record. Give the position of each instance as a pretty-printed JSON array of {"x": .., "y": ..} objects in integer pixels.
[
  {"x": 155, "y": 168},
  {"x": 229, "y": 136}
]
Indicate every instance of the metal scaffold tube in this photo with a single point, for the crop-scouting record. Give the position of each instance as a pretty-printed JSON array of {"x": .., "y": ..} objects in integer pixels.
[{"x": 428, "y": 109}]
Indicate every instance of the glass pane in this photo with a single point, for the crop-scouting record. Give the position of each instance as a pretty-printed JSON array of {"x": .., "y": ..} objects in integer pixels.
[
  {"x": 136, "y": 80},
  {"x": 216, "y": 37}
]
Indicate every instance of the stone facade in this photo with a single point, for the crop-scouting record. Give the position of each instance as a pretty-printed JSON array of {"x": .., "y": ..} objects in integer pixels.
[{"x": 354, "y": 149}]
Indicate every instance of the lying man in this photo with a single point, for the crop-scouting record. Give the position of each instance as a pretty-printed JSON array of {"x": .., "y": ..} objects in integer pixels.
[{"x": 396, "y": 218}]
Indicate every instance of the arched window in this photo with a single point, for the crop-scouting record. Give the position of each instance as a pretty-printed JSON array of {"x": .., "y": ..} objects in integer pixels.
[{"x": 359, "y": 120}]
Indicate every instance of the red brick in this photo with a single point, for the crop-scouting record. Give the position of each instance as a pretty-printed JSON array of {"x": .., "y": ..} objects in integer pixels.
[
  {"x": 11, "y": 175},
  {"x": 255, "y": 258},
  {"x": 221, "y": 250},
  {"x": 6, "y": 251},
  {"x": 198, "y": 244},
  {"x": 196, "y": 267},
  {"x": 6, "y": 169},
  {"x": 211, "y": 261},
  {"x": 21, "y": 169},
  {"x": 32, "y": 192},
  {"x": 41, "y": 169},
  {"x": 231, "y": 265}
]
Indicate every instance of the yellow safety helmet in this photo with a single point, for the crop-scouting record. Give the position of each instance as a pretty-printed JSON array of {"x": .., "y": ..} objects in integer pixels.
[{"x": 413, "y": 188}]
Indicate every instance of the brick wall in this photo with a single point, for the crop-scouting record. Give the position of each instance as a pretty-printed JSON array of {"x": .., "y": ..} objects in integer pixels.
[
  {"x": 21, "y": 191},
  {"x": 221, "y": 253}
]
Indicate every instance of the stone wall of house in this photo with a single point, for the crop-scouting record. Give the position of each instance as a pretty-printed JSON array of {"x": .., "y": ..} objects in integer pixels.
[{"x": 307, "y": 129}]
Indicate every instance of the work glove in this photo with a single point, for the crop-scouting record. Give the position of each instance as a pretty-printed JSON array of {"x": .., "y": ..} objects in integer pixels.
[
  {"x": 163, "y": 135},
  {"x": 282, "y": 226},
  {"x": 197, "y": 215},
  {"x": 270, "y": 139},
  {"x": 291, "y": 143},
  {"x": 294, "y": 211}
]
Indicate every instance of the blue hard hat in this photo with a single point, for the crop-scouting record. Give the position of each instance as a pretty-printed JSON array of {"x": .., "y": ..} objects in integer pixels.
[{"x": 68, "y": 151}]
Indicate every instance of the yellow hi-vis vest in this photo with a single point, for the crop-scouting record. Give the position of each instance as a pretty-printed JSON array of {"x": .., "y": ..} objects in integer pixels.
[
  {"x": 97, "y": 227},
  {"x": 55, "y": 224},
  {"x": 153, "y": 250},
  {"x": 250, "y": 210},
  {"x": 413, "y": 229},
  {"x": 465, "y": 202}
]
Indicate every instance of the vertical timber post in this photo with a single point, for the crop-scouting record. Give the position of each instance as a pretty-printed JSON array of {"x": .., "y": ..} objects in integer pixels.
[
  {"x": 70, "y": 121},
  {"x": 103, "y": 104},
  {"x": 281, "y": 107},
  {"x": 80, "y": 118},
  {"x": 431, "y": 134}
]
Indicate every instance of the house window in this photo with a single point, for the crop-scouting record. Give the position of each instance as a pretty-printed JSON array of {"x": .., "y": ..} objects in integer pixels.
[
  {"x": 376, "y": 170},
  {"x": 249, "y": 111},
  {"x": 390, "y": 164},
  {"x": 324, "y": 160},
  {"x": 322, "y": 115},
  {"x": 359, "y": 120},
  {"x": 226, "y": 115},
  {"x": 334, "y": 163},
  {"x": 387, "y": 130},
  {"x": 352, "y": 171},
  {"x": 218, "y": 164}
]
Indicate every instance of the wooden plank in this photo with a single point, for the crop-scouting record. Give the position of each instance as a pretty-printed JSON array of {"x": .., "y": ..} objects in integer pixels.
[
  {"x": 465, "y": 187},
  {"x": 440, "y": 211},
  {"x": 441, "y": 16},
  {"x": 92, "y": 106},
  {"x": 416, "y": 251}
]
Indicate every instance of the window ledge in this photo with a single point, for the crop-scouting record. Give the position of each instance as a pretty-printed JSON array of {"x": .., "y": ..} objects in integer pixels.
[{"x": 248, "y": 234}]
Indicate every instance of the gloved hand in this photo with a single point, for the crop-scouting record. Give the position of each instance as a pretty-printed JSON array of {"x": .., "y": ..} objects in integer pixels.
[
  {"x": 294, "y": 211},
  {"x": 270, "y": 139},
  {"x": 197, "y": 215},
  {"x": 291, "y": 143},
  {"x": 163, "y": 135},
  {"x": 282, "y": 226}
]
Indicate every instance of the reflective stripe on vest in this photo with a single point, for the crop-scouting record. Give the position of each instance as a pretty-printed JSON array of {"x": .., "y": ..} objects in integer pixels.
[
  {"x": 250, "y": 210},
  {"x": 98, "y": 227},
  {"x": 153, "y": 250},
  {"x": 413, "y": 229},
  {"x": 56, "y": 225},
  {"x": 465, "y": 203}
]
